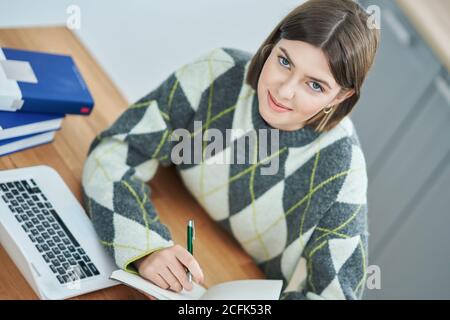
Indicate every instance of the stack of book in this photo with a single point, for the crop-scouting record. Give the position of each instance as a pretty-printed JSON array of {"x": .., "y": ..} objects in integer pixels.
[{"x": 37, "y": 90}]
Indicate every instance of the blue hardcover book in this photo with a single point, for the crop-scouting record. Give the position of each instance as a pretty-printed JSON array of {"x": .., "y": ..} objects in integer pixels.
[
  {"x": 17, "y": 124},
  {"x": 8, "y": 146},
  {"x": 41, "y": 82}
]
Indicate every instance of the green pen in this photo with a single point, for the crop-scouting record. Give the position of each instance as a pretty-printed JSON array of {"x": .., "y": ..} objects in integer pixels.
[{"x": 190, "y": 243}]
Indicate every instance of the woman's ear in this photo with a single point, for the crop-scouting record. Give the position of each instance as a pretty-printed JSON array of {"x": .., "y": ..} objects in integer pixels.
[{"x": 342, "y": 96}]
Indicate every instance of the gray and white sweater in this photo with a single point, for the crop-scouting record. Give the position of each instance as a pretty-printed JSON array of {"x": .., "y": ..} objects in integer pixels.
[{"x": 305, "y": 224}]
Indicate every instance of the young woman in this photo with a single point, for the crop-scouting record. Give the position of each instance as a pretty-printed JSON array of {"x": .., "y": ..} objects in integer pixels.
[{"x": 304, "y": 220}]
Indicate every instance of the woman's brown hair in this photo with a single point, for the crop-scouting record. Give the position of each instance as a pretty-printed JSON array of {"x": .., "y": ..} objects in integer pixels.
[{"x": 340, "y": 28}]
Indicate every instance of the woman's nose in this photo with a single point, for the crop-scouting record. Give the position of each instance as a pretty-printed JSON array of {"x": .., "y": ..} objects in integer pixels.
[{"x": 286, "y": 91}]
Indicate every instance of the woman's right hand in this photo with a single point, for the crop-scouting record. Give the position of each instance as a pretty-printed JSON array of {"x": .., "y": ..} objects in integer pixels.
[{"x": 167, "y": 268}]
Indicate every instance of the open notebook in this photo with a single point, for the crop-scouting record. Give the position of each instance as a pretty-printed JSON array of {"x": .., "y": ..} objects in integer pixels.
[{"x": 255, "y": 289}]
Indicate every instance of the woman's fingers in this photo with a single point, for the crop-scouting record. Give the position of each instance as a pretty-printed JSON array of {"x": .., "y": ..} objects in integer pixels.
[
  {"x": 159, "y": 281},
  {"x": 179, "y": 272},
  {"x": 174, "y": 283},
  {"x": 189, "y": 262},
  {"x": 166, "y": 268}
]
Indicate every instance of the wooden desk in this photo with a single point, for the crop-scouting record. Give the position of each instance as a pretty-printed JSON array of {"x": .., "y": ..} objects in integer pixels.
[{"x": 220, "y": 256}]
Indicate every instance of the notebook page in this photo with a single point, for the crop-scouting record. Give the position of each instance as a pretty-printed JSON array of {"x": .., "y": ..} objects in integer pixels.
[
  {"x": 140, "y": 283},
  {"x": 245, "y": 290}
]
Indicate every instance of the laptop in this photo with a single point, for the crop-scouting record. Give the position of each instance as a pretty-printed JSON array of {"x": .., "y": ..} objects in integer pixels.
[{"x": 49, "y": 236}]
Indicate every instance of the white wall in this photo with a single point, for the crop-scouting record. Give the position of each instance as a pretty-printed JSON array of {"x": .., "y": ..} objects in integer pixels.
[{"x": 139, "y": 43}]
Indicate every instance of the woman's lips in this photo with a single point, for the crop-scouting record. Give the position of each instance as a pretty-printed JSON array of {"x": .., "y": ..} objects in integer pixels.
[{"x": 276, "y": 106}]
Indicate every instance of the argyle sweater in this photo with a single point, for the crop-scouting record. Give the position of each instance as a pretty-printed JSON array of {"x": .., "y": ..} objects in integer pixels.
[{"x": 305, "y": 223}]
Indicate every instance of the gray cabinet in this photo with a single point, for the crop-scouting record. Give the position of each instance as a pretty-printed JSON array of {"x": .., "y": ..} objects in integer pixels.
[
  {"x": 405, "y": 171},
  {"x": 416, "y": 263},
  {"x": 396, "y": 87},
  {"x": 402, "y": 72},
  {"x": 403, "y": 121}
]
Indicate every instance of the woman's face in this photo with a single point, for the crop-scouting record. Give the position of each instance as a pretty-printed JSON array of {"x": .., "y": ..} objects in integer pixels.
[{"x": 296, "y": 75}]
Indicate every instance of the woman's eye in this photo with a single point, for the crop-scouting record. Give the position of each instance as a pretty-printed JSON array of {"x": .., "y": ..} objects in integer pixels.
[
  {"x": 315, "y": 86},
  {"x": 282, "y": 59}
]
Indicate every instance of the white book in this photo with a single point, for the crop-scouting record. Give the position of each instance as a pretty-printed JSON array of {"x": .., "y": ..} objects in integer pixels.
[
  {"x": 8, "y": 146},
  {"x": 255, "y": 289}
]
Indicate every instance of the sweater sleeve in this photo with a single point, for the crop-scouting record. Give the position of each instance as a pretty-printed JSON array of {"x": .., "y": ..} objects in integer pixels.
[
  {"x": 124, "y": 158},
  {"x": 334, "y": 261}
]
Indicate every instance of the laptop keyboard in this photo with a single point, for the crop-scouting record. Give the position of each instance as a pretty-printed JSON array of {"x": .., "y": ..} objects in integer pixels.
[{"x": 45, "y": 229}]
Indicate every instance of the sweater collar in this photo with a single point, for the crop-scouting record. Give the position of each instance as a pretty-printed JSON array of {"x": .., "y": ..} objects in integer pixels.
[{"x": 296, "y": 138}]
